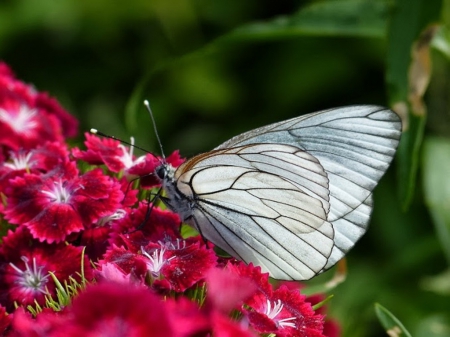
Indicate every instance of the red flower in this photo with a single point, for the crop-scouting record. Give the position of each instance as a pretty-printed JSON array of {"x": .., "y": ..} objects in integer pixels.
[
  {"x": 28, "y": 118},
  {"x": 26, "y": 263},
  {"x": 283, "y": 311},
  {"x": 106, "y": 309},
  {"x": 41, "y": 159},
  {"x": 188, "y": 318},
  {"x": 47, "y": 323},
  {"x": 23, "y": 126},
  {"x": 178, "y": 265},
  {"x": 55, "y": 206},
  {"x": 331, "y": 327},
  {"x": 145, "y": 169},
  {"x": 110, "y": 272},
  {"x": 5, "y": 319},
  {"x": 5, "y": 70},
  {"x": 118, "y": 157},
  {"x": 223, "y": 326},
  {"x": 132, "y": 265},
  {"x": 110, "y": 309},
  {"x": 227, "y": 290},
  {"x": 145, "y": 224}
]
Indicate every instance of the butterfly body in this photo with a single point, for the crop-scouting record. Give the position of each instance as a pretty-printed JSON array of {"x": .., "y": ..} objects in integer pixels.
[{"x": 292, "y": 197}]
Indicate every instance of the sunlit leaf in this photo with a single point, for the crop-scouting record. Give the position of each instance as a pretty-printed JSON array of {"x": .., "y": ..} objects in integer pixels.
[
  {"x": 342, "y": 18},
  {"x": 409, "y": 19},
  {"x": 362, "y": 18},
  {"x": 390, "y": 323},
  {"x": 436, "y": 163}
]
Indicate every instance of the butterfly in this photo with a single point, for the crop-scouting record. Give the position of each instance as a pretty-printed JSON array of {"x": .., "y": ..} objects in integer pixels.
[{"x": 291, "y": 197}]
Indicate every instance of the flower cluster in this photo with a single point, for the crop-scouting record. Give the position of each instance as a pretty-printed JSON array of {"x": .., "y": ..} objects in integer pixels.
[{"x": 78, "y": 222}]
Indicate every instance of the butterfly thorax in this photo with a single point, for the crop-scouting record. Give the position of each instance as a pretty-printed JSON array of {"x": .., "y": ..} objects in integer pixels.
[{"x": 174, "y": 199}]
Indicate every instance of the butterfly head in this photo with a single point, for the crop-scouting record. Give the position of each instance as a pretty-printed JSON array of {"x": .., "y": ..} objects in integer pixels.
[
  {"x": 165, "y": 173},
  {"x": 161, "y": 171}
]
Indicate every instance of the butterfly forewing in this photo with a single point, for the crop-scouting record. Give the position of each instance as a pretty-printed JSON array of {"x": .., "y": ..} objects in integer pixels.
[{"x": 292, "y": 197}]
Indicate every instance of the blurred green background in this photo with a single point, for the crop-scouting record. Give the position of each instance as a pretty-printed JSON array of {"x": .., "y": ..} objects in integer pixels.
[{"x": 213, "y": 69}]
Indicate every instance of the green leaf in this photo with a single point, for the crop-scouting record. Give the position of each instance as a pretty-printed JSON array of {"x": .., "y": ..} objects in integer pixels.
[
  {"x": 409, "y": 19},
  {"x": 359, "y": 18},
  {"x": 441, "y": 41},
  {"x": 390, "y": 323},
  {"x": 408, "y": 157},
  {"x": 326, "y": 18},
  {"x": 436, "y": 163}
]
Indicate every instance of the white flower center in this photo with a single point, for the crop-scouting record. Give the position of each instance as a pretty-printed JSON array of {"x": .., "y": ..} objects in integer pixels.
[
  {"x": 156, "y": 261},
  {"x": 31, "y": 278},
  {"x": 117, "y": 215},
  {"x": 273, "y": 312},
  {"x": 23, "y": 120},
  {"x": 59, "y": 193},
  {"x": 20, "y": 161}
]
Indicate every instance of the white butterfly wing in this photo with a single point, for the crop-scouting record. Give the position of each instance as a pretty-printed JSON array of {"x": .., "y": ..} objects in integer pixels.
[
  {"x": 256, "y": 204},
  {"x": 295, "y": 196},
  {"x": 355, "y": 146}
]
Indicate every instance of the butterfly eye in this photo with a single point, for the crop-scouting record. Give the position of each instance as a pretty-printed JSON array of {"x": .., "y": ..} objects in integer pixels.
[{"x": 161, "y": 172}]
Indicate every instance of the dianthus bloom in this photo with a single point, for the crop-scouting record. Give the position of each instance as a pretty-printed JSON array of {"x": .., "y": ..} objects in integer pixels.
[
  {"x": 88, "y": 252},
  {"x": 28, "y": 117}
]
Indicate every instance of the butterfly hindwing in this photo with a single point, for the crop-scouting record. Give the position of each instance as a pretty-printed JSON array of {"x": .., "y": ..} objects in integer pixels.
[{"x": 262, "y": 203}]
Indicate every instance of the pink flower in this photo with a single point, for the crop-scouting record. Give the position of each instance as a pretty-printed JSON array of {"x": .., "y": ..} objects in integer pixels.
[
  {"x": 47, "y": 323},
  {"x": 5, "y": 70},
  {"x": 26, "y": 263},
  {"x": 29, "y": 118},
  {"x": 106, "y": 309},
  {"x": 5, "y": 319},
  {"x": 188, "y": 319},
  {"x": 151, "y": 279},
  {"x": 41, "y": 159},
  {"x": 110, "y": 272},
  {"x": 145, "y": 224},
  {"x": 118, "y": 157},
  {"x": 132, "y": 265},
  {"x": 54, "y": 206},
  {"x": 227, "y": 290},
  {"x": 178, "y": 265},
  {"x": 282, "y": 311},
  {"x": 145, "y": 170},
  {"x": 110, "y": 309}
]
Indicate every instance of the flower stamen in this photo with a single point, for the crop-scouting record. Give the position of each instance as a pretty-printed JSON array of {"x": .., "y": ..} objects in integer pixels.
[
  {"x": 157, "y": 261},
  {"x": 273, "y": 312},
  {"x": 31, "y": 278}
]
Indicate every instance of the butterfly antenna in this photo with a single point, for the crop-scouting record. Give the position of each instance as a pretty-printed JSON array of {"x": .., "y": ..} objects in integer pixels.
[
  {"x": 147, "y": 105},
  {"x": 99, "y": 133}
]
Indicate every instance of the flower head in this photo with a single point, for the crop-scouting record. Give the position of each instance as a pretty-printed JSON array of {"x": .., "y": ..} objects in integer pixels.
[
  {"x": 54, "y": 206},
  {"x": 29, "y": 118}
]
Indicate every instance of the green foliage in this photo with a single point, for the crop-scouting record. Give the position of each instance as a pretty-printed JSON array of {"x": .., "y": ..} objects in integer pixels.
[
  {"x": 213, "y": 69},
  {"x": 392, "y": 325}
]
